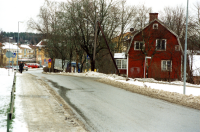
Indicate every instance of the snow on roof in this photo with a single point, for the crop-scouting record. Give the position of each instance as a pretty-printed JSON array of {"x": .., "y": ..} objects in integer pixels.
[
  {"x": 195, "y": 60},
  {"x": 9, "y": 46},
  {"x": 119, "y": 55},
  {"x": 40, "y": 43},
  {"x": 25, "y": 46}
]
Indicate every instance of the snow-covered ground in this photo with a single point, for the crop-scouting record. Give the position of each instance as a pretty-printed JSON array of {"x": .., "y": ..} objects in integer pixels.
[
  {"x": 5, "y": 89},
  {"x": 176, "y": 86},
  {"x": 6, "y": 83}
]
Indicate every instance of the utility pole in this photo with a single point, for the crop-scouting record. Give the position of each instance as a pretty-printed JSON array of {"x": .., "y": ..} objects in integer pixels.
[{"x": 185, "y": 54}]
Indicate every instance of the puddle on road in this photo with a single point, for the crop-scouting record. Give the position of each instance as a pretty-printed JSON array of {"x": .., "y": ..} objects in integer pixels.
[{"x": 62, "y": 91}]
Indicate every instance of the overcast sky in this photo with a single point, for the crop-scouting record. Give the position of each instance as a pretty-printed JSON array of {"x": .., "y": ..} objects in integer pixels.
[{"x": 12, "y": 11}]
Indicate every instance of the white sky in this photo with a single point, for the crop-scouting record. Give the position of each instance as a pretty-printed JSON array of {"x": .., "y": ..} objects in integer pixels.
[{"x": 12, "y": 11}]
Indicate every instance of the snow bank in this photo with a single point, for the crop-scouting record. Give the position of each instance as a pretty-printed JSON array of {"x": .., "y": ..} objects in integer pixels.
[
  {"x": 87, "y": 74},
  {"x": 173, "y": 97}
]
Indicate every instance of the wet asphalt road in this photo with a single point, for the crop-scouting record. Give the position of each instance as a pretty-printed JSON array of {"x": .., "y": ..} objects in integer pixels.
[{"x": 104, "y": 108}]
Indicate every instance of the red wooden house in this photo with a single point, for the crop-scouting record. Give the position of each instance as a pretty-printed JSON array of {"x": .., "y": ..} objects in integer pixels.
[{"x": 159, "y": 47}]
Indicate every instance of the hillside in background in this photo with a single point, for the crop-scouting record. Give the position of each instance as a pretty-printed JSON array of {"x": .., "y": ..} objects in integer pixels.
[{"x": 24, "y": 37}]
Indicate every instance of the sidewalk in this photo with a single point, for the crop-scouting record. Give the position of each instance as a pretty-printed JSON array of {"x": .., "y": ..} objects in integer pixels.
[{"x": 40, "y": 109}]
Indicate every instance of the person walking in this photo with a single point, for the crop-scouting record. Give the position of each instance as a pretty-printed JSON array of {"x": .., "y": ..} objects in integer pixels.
[{"x": 21, "y": 66}]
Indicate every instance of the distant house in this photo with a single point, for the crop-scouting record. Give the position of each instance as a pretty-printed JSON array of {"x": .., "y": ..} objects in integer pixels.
[
  {"x": 26, "y": 53},
  {"x": 123, "y": 40},
  {"x": 154, "y": 52},
  {"x": 1, "y": 55},
  {"x": 41, "y": 58},
  {"x": 12, "y": 47}
]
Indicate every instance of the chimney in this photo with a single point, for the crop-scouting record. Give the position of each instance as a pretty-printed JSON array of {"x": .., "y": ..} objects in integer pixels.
[{"x": 153, "y": 16}]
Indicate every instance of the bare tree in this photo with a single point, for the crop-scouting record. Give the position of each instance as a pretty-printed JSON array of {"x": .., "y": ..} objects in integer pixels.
[
  {"x": 174, "y": 18},
  {"x": 194, "y": 36},
  {"x": 50, "y": 24},
  {"x": 46, "y": 26},
  {"x": 142, "y": 17},
  {"x": 84, "y": 14}
]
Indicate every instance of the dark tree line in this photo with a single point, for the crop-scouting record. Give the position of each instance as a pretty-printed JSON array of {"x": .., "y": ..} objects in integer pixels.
[{"x": 24, "y": 37}]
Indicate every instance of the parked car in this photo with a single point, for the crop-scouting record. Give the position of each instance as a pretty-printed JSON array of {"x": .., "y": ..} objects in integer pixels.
[
  {"x": 26, "y": 68},
  {"x": 32, "y": 65}
]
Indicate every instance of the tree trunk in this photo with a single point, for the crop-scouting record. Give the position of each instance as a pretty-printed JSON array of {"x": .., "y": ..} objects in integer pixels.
[
  {"x": 77, "y": 62},
  {"x": 52, "y": 64},
  {"x": 92, "y": 62}
]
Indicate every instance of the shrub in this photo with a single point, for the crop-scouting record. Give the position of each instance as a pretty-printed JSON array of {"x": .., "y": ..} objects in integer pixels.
[{"x": 46, "y": 69}]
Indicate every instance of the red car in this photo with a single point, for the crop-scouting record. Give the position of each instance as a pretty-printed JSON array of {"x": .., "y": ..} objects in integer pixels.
[{"x": 32, "y": 65}]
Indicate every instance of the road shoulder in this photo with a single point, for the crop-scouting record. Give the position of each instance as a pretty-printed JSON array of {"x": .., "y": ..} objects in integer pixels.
[{"x": 42, "y": 108}]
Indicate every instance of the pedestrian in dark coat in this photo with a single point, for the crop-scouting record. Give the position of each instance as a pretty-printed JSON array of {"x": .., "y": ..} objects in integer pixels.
[{"x": 21, "y": 66}]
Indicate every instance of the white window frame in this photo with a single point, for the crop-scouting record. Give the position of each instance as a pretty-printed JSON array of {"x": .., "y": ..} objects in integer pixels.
[
  {"x": 164, "y": 66},
  {"x": 161, "y": 46},
  {"x": 155, "y": 26},
  {"x": 121, "y": 63},
  {"x": 139, "y": 45}
]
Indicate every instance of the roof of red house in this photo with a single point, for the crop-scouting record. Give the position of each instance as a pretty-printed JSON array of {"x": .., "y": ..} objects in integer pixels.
[{"x": 163, "y": 26}]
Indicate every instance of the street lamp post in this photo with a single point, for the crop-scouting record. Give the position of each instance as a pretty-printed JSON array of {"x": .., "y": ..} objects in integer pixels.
[
  {"x": 185, "y": 54},
  {"x": 146, "y": 57},
  {"x": 18, "y": 41}
]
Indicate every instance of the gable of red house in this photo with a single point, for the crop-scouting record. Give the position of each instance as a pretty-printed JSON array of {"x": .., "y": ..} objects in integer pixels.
[{"x": 162, "y": 50}]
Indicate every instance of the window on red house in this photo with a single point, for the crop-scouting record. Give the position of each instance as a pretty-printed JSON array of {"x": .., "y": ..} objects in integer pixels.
[
  {"x": 155, "y": 26},
  {"x": 139, "y": 45},
  {"x": 161, "y": 44},
  {"x": 166, "y": 65},
  {"x": 121, "y": 63}
]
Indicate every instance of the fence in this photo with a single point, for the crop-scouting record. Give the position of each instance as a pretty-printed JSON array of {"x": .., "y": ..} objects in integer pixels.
[{"x": 10, "y": 114}]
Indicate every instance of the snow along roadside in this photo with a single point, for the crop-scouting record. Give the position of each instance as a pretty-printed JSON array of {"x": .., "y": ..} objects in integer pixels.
[
  {"x": 173, "y": 97},
  {"x": 177, "y": 98}
]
